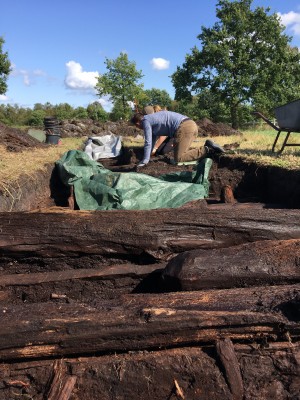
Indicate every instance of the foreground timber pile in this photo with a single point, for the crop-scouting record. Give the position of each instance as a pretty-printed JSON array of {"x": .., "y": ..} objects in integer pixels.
[
  {"x": 199, "y": 302},
  {"x": 196, "y": 303}
]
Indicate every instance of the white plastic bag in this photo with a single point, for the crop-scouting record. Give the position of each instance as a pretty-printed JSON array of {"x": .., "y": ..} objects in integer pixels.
[{"x": 106, "y": 146}]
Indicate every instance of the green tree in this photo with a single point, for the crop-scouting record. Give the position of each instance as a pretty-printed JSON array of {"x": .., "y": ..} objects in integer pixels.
[
  {"x": 5, "y": 68},
  {"x": 141, "y": 100},
  {"x": 80, "y": 113},
  {"x": 37, "y": 118},
  {"x": 22, "y": 116},
  {"x": 48, "y": 108},
  {"x": 120, "y": 82},
  {"x": 14, "y": 115},
  {"x": 96, "y": 112},
  {"x": 211, "y": 106},
  {"x": 118, "y": 111},
  {"x": 158, "y": 96},
  {"x": 245, "y": 59},
  {"x": 63, "y": 111},
  {"x": 188, "y": 107}
]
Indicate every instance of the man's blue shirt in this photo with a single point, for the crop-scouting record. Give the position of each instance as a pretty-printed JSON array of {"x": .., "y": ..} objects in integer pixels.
[{"x": 162, "y": 123}]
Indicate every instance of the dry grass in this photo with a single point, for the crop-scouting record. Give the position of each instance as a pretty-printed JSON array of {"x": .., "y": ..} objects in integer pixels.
[
  {"x": 29, "y": 161},
  {"x": 257, "y": 146}
]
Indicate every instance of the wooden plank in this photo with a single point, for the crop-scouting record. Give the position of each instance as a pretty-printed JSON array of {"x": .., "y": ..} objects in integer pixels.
[
  {"x": 249, "y": 298},
  {"x": 160, "y": 233},
  {"x": 135, "y": 323},
  {"x": 113, "y": 271},
  {"x": 150, "y": 375},
  {"x": 228, "y": 358},
  {"x": 62, "y": 384}
]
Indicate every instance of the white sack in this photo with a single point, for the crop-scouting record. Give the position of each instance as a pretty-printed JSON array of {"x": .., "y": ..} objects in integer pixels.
[{"x": 107, "y": 146}]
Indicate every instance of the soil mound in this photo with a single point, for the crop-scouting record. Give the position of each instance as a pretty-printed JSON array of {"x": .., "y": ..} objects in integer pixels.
[
  {"x": 88, "y": 127},
  {"x": 17, "y": 140},
  {"x": 78, "y": 128},
  {"x": 208, "y": 128}
]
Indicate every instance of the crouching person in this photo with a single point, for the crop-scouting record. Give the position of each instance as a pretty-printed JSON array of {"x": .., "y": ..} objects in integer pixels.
[{"x": 181, "y": 128}]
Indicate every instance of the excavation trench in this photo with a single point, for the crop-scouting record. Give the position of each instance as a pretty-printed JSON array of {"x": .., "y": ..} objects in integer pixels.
[{"x": 201, "y": 301}]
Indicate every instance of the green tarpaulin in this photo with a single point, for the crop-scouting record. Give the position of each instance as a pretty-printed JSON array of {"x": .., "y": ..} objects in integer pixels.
[{"x": 97, "y": 188}]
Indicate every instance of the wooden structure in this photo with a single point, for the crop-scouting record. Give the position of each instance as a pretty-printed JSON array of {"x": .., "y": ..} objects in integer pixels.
[{"x": 201, "y": 303}]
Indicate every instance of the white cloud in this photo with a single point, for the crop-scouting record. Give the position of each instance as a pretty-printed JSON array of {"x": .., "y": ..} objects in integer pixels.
[
  {"x": 29, "y": 77},
  {"x": 39, "y": 72},
  {"x": 3, "y": 97},
  {"x": 77, "y": 79},
  {"x": 160, "y": 63},
  {"x": 291, "y": 20}
]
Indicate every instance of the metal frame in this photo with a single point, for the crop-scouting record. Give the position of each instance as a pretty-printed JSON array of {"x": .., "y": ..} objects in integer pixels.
[{"x": 279, "y": 130}]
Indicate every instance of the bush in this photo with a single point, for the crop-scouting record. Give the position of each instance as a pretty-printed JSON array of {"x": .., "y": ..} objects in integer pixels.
[{"x": 37, "y": 118}]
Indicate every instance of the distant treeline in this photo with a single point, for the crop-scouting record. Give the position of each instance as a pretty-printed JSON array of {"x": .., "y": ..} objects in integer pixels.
[{"x": 13, "y": 115}]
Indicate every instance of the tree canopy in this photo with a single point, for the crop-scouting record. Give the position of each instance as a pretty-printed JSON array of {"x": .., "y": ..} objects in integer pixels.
[
  {"x": 120, "y": 82},
  {"x": 245, "y": 59},
  {"x": 158, "y": 96},
  {"x": 5, "y": 68}
]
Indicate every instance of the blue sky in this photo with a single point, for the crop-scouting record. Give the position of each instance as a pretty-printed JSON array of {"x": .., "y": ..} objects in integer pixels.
[{"x": 57, "y": 48}]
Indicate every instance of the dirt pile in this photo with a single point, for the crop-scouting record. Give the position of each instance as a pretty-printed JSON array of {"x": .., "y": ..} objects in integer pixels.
[
  {"x": 77, "y": 128},
  {"x": 208, "y": 128},
  {"x": 17, "y": 140},
  {"x": 88, "y": 127}
]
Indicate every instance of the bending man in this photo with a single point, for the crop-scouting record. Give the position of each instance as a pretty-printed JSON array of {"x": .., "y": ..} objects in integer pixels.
[{"x": 183, "y": 129}]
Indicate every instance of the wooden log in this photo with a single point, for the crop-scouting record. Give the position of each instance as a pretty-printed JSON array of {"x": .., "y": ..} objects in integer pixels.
[
  {"x": 150, "y": 375},
  {"x": 283, "y": 298},
  {"x": 112, "y": 272},
  {"x": 43, "y": 330},
  {"x": 260, "y": 263},
  {"x": 135, "y": 376},
  {"x": 228, "y": 358},
  {"x": 62, "y": 384},
  {"x": 160, "y": 233},
  {"x": 87, "y": 285}
]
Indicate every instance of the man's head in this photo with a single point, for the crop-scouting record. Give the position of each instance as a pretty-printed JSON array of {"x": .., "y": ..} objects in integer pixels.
[{"x": 137, "y": 120}]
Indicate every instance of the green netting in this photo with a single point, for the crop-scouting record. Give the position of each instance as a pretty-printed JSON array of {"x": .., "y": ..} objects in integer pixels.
[{"x": 97, "y": 188}]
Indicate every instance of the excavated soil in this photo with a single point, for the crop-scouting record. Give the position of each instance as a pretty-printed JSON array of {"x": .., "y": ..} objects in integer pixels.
[
  {"x": 247, "y": 180},
  {"x": 73, "y": 128},
  {"x": 267, "y": 370},
  {"x": 17, "y": 140}
]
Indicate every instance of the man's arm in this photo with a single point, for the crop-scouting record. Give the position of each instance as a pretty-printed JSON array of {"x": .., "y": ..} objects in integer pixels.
[
  {"x": 148, "y": 141},
  {"x": 159, "y": 141}
]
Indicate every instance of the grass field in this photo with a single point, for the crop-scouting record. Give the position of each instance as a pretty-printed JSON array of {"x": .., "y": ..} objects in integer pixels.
[
  {"x": 257, "y": 146},
  {"x": 253, "y": 145}
]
